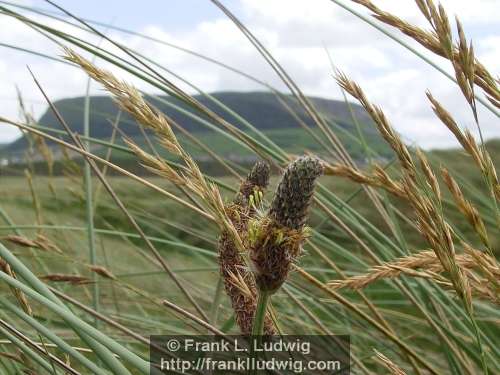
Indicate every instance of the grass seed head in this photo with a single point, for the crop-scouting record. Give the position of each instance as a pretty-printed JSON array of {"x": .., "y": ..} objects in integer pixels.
[
  {"x": 252, "y": 187},
  {"x": 102, "y": 271},
  {"x": 293, "y": 196},
  {"x": 272, "y": 254},
  {"x": 66, "y": 278},
  {"x": 239, "y": 282},
  {"x": 276, "y": 239}
]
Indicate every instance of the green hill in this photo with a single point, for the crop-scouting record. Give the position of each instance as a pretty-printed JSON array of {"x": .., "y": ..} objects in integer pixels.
[{"x": 263, "y": 110}]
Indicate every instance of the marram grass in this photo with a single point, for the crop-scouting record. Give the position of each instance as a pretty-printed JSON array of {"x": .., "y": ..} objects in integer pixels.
[{"x": 401, "y": 256}]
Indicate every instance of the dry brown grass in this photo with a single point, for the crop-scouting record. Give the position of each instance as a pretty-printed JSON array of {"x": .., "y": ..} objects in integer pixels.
[
  {"x": 40, "y": 242},
  {"x": 66, "y": 278},
  {"x": 379, "y": 178},
  {"x": 422, "y": 192},
  {"x": 468, "y": 70},
  {"x": 389, "y": 365},
  {"x": 478, "y": 267},
  {"x": 131, "y": 101},
  {"x": 466, "y": 208}
]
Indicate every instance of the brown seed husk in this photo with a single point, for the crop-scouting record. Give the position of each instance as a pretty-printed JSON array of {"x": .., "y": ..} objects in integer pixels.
[
  {"x": 243, "y": 294},
  {"x": 272, "y": 254}
]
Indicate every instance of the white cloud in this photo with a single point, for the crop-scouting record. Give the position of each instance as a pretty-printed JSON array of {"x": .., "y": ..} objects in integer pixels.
[
  {"x": 296, "y": 33},
  {"x": 489, "y": 50}
]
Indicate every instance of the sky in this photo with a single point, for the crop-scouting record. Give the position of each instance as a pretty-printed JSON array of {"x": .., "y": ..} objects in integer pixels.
[{"x": 299, "y": 33}]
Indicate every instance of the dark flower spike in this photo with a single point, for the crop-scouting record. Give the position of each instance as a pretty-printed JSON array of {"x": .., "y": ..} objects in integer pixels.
[
  {"x": 239, "y": 283},
  {"x": 294, "y": 193},
  {"x": 275, "y": 241},
  {"x": 256, "y": 182}
]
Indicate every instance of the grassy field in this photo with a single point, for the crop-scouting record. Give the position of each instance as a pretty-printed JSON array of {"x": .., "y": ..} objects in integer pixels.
[
  {"x": 187, "y": 241},
  {"x": 55, "y": 208}
]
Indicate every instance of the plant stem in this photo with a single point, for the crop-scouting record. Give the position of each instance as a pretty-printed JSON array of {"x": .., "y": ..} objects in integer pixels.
[
  {"x": 90, "y": 205},
  {"x": 478, "y": 338},
  {"x": 258, "y": 322},
  {"x": 260, "y": 314},
  {"x": 216, "y": 301}
]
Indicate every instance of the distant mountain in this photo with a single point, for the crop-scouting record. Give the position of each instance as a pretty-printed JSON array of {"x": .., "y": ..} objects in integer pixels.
[{"x": 261, "y": 109}]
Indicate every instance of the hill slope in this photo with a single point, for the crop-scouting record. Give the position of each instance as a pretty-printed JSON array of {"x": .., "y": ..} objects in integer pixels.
[{"x": 261, "y": 109}]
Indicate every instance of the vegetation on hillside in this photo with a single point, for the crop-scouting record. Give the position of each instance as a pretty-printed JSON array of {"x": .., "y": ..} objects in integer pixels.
[{"x": 278, "y": 116}]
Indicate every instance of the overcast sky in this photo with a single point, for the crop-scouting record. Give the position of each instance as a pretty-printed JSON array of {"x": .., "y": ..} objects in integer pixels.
[{"x": 295, "y": 31}]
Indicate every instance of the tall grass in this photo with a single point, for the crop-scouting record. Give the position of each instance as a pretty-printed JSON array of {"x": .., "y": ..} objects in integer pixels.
[{"x": 407, "y": 265}]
